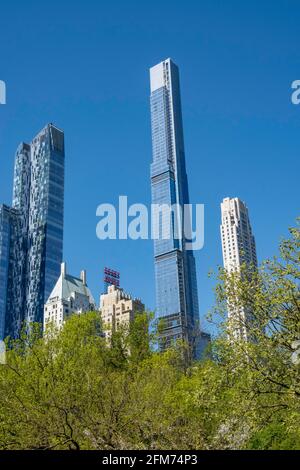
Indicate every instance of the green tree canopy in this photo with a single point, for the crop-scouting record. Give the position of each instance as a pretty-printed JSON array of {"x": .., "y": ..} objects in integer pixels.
[{"x": 73, "y": 390}]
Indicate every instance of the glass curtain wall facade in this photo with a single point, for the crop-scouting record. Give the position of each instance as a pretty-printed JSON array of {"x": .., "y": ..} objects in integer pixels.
[
  {"x": 175, "y": 270},
  {"x": 45, "y": 220},
  {"x": 36, "y": 236},
  {"x": 4, "y": 262},
  {"x": 11, "y": 262}
]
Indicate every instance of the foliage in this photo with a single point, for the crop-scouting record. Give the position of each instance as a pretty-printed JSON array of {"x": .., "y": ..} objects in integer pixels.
[{"x": 73, "y": 390}]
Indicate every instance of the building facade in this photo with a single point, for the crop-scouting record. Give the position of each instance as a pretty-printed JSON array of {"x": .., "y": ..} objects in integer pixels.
[
  {"x": 36, "y": 244},
  {"x": 118, "y": 309},
  {"x": 175, "y": 270},
  {"x": 5, "y": 228},
  {"x": 9, "y": 255},
  {"x": 70, "y": 296},
  {"x": 238, "y": 248},
  {"x": 12, "y": 268}
]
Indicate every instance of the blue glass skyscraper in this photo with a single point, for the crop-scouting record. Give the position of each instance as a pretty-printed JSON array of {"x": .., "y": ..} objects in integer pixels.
[
  {"x": 31, "y": 265},
  {"x": 10, "y": 262},
  {"x": 175, "y": 270},
  {"x": 5, "y": 225}
]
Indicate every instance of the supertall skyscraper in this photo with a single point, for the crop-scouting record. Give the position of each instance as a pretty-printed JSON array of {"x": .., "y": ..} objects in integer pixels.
[
  {"x": 175, "y": 271},
  {"x": 238, "y": 247},
  {"x": 33, "y": 230}
]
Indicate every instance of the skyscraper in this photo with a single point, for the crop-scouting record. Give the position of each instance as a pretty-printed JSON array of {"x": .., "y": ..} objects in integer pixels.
[
  {"x": 5, "y": 229},
  {"x": 36, "y": 229},
  {"x": 10, "y": 262},
  {"x": 238, "y": 247},
  {"x": 175, "y": 270}
]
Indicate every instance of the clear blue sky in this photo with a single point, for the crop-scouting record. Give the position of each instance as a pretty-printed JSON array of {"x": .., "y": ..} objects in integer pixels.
[{"x": 84, "y": 66}]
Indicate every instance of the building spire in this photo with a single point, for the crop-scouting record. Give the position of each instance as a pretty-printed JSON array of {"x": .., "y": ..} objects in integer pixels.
[{"x": 63, "y": 269}]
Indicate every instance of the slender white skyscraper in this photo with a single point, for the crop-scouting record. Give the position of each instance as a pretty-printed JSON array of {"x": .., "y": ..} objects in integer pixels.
[{"x": 238, "y": 246}]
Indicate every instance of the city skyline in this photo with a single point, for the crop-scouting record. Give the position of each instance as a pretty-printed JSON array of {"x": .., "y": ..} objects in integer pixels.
[
  {"x": 241, "y": 129},
  {"x": 149, "y": 231},
  {"x": 31, "y": 230},
  {"x": 24, "y": 196}
]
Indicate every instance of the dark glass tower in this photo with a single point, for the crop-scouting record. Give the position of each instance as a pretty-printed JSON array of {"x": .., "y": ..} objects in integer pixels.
[
  {"x": 33, "y": 230},
  {"x": 11, "y": 262},
  {"x": 175, "y": 270}
]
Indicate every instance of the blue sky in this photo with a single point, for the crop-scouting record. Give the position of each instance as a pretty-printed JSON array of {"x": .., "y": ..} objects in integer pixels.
[{"x": 84, "y": 66}]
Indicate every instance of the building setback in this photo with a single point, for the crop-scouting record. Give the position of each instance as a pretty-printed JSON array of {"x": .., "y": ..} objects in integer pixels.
[
  {"x": 36, "y": 233},
  {"x": 175, "y": 270}
]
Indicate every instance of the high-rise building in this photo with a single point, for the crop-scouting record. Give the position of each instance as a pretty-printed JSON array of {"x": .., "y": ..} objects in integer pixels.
[
  {"x": 70, "y": 296},
  {"x": 36, "y": 233},
  {"x": 118, "y": 309},
  {"x": 238, "y": 243},
  {"x": 5, "y": 230},
  {"x": 238, "y": 247},
  {"x": 175, "y": 270},
  {"x": 10, "y": 263}
]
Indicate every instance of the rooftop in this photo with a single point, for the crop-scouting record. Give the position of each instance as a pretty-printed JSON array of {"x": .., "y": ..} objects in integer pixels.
[{"x": 67, "y": 285}]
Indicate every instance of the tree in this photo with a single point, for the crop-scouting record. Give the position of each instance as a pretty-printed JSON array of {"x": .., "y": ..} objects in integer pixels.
[
  {"x": 268, "y": 362},
  {"x": 74, "y": 390}
]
